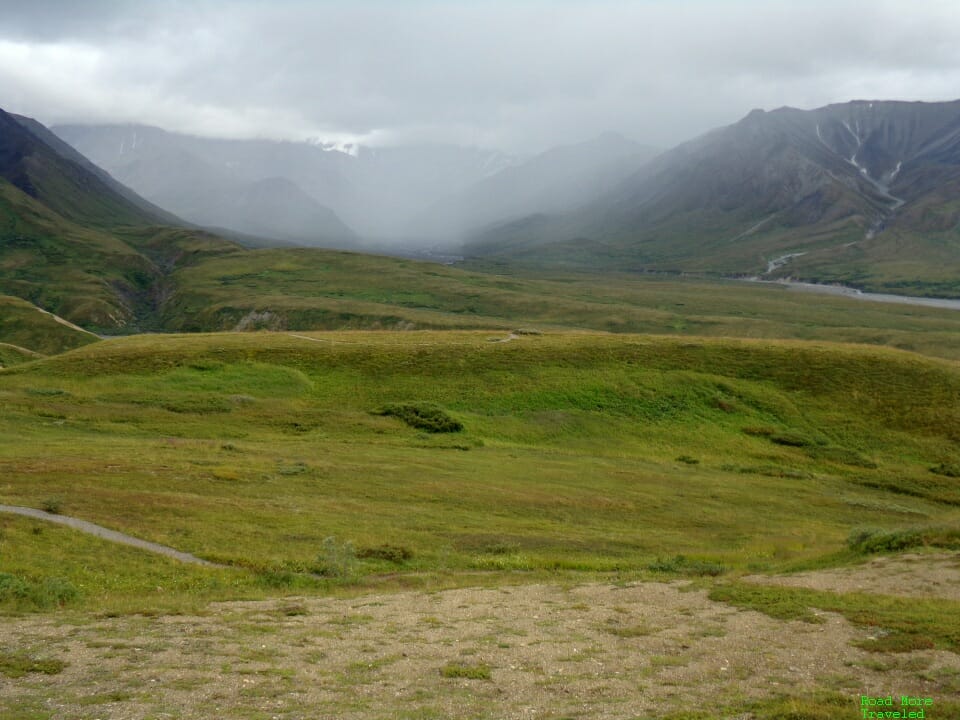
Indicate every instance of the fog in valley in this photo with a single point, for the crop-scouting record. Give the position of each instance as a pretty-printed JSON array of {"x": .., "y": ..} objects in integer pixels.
[{"x": 387, "y": 126}]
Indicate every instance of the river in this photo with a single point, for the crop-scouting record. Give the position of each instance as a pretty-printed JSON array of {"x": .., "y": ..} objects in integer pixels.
[{"x": 949, "y": 304}]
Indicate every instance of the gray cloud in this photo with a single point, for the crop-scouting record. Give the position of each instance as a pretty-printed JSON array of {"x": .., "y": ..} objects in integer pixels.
[{"x": 516, "y": 75}]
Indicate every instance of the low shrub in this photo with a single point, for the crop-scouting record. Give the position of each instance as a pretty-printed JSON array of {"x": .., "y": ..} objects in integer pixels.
[
  {"x": 470, "y": 672},
  {"x": 17, "y": 664},
  {"x": 391, "y": 553},
  {"x": 52, "y": 505},
  {"x": 422, "y": 416},
  {"x": 790, "y": 439},
  {"x": 336, "y": 559},
  {"x": 869, "y": 540},
  {"x": 36, "y": 594},
  {"x": 946, "y": 469},
  {"x": 682, "y": 565}
]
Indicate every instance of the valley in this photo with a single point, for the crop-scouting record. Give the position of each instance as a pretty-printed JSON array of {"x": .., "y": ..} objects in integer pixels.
[{"x": 574, "y": 473}]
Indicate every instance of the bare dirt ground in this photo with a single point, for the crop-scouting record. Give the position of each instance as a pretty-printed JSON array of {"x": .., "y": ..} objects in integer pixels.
[
  {"x": 640, "y": 650},
  {"x": 910, "y": 575}
]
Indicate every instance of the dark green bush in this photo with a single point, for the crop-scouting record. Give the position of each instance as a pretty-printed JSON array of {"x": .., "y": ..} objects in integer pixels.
[
  {"x": 867, "y": 540},
  {"x": 423, "y": 416},
  {"x": 682, "y": 565},
  {"x": 946, "y": 469},
  {"x": 52, "y": 505},
  {"x": 391, "y": 553},
  {"x": 790, "y": 439}
]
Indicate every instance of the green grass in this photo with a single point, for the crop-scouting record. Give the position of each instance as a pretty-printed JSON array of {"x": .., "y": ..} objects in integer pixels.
[
  {"x": 27, "y": 334},
  {"x": 315, "y": 289},
  {"x": 566, "y": 463}
]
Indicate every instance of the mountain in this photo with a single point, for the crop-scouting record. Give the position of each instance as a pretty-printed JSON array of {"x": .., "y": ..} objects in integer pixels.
[
  {"x": 223, "y": 183},
  {"x": 333, "y": 195},
  {"x": 75, "y": 242},
  {"x": 46, "y": 169},
  {"x": 863, "y": 193},
  {"x": 560, "y": 179}
]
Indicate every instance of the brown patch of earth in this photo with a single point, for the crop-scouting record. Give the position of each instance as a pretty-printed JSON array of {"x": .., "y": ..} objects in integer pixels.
[
  {"x": 909, "y": 574},
  {"x": 596, "y": 651}
]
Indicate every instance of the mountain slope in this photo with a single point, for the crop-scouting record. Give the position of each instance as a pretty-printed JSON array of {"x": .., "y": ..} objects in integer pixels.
[
  {"x": 76, "y": 243},
  {"x": 65, "y": 183},
  {"x": 861, "y": 192}
]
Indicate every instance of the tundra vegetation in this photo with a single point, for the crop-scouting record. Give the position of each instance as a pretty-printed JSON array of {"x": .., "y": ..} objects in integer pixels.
[{"x": 340, "y": 464}]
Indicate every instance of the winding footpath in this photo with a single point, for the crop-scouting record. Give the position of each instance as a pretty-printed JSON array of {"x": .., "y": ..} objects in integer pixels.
[{"x": 107, "y": 534}]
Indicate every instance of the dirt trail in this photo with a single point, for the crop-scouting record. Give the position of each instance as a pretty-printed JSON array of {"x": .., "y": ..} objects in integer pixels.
[{"x": 107, "y": 534}]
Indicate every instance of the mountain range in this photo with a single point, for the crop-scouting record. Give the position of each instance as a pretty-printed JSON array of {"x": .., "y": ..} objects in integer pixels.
[{"x": 864, "y": 193}]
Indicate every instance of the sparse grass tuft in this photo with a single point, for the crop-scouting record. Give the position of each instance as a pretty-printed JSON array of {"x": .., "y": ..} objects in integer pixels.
[{"x": 18, "y": 664}]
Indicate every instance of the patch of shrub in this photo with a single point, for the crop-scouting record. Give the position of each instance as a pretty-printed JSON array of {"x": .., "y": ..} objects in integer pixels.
[
  {"x": 52, "y": 505},
  {"x": 869, "y": 540},
  {"x": 197, "y": 404},
  {"x": 790, "y": 439},
  {"x": 471, "y": 672},
  {"x": 336, "y": 559},
  {"x": 423, "y": 416},
  {"x": 688, "y": 460},
  {"x": 38, "y": 594},
  {"x": 897, "y": 642},
  {"x": 206, "y": 365},
  {"x": 759, "y": 430},
  {"x": 17, "y": 664},
  {"x": 297, "y": 468},
  {"x": 391, "y": 553},
  {"x": 47, "y": 392},
  {"x": 946, "y": 469},
  {"x": 682, "y": 565}
]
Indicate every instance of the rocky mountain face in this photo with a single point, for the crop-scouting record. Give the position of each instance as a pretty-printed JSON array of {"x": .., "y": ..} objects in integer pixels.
[{"x": 838, "y": 189}]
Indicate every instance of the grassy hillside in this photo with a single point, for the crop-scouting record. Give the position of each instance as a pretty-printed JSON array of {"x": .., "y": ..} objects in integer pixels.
[
  {"x": 315, "y": 289},
  {"x": 577, "y": 453},
  {"x": 26, "y": 332},
  {"x": 97, "y": 278}
]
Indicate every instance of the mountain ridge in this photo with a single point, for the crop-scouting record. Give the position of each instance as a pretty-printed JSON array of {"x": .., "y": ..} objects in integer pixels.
[{"x": 841, "y": 188}]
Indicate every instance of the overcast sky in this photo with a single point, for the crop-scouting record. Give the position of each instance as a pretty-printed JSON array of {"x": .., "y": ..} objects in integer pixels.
[{"x": 520, "y": 76}]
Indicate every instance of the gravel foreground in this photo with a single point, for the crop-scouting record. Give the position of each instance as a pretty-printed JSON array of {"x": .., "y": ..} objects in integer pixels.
[{"x": 637, "y": 650}]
